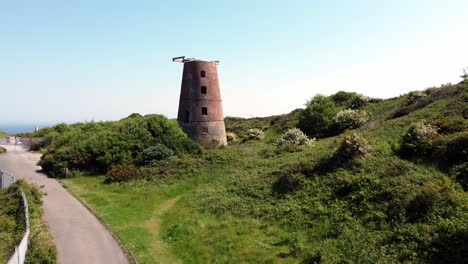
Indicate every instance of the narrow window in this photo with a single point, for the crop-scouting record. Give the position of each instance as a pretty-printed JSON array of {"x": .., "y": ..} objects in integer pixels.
[
  {"x": 203, "y": 90},
  {"x": 202, "y": 74},
  {"x": 204, "y": 111},
  {"x": 187, "y": 116}
]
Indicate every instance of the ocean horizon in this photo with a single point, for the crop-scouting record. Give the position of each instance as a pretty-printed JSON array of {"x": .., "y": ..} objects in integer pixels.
[{"x": 20, "y": 128}]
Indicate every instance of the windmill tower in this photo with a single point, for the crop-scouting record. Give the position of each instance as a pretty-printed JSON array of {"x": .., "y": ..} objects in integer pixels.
[{"x": 200, "y": 107}]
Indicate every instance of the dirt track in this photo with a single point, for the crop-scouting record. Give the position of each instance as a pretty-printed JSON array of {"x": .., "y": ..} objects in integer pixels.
[{"x": 80, "y": 238}]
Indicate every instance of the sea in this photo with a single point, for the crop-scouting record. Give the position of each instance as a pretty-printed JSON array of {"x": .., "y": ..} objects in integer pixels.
[{"x": 11, "y": 128}]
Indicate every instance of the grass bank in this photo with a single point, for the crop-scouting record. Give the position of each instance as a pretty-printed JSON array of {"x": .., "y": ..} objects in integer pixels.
[
  {"x": 12, "y": 225},
  {"x": 253, "y": 202}
]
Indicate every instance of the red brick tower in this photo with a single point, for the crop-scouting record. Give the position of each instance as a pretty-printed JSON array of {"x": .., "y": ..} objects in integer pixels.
[{"x": 200, "y": 107}]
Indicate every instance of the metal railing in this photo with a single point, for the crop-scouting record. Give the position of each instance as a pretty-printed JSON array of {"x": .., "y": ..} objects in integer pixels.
[{"x": 6, "y": 180}]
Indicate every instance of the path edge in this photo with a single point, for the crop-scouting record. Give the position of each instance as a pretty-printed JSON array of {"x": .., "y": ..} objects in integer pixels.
[{"x": 126, "y": 250}]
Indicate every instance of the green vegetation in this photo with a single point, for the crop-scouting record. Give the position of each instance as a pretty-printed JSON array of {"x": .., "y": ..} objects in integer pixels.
[
  {"x": 2, "y": 150},
  {"x": 95, "y": 147},
  {"x": 3, "y": 134},
  {"x": 12, "y": 225},
  {"x": 365, "y": 196}
]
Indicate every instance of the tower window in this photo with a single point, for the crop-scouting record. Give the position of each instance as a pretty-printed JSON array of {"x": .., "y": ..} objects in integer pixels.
[
  {"x": 204, "y": 111},
  {"x": 203, "y": 74},
  {"x": 187, "y": 116},
  {"x": 203, "y": 90}
]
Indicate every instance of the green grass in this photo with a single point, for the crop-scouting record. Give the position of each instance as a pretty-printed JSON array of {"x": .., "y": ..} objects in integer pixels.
[
  {"x": 3, "y": 134},
  {"x": 227, "y": 210}
]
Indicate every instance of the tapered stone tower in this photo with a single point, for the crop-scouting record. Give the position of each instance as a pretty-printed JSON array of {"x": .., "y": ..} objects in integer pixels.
[{"x": 200, "y": 107}]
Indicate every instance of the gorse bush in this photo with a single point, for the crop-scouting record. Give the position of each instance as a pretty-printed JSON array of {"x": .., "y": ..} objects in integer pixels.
[
  {"x": 350, "y": 119},
  {"x": 256, "y": 134},
  {"x": 156, "y": 152},
  {"x": 95, "y": 147},
  {"x": 123, "y": 173},
  {"x": 317, "y": 119},
  {"x": 294, "y": 137},
  {"x": 418, "y": 141}
]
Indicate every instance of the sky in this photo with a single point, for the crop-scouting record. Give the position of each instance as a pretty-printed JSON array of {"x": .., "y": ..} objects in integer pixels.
[{"x": 78, "y": 61}]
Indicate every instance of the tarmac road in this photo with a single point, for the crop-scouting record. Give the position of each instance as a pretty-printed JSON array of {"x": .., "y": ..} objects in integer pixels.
[{"x": 80, "y": 238}]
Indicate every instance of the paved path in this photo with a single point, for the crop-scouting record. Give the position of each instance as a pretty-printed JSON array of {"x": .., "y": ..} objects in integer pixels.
[{"x": 79, "y": 236}]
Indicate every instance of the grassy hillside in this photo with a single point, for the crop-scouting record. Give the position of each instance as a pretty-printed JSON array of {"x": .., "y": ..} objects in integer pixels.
[
  {"x": 402, "y": 200},
  {"x": 3, "y": 134}
]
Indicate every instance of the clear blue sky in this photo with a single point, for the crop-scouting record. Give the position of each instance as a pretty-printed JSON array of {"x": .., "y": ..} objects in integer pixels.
[{"x": 102, "y": 60}]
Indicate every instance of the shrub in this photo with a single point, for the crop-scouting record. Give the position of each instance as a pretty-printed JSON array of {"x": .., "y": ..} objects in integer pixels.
[
  {"x": 450, "y": 125},
  {"x": 2, "y": 150},
  {"x": 352, "y": 147},
  {"x": 294, "y": 137},
  {"x": 318, "y": 118},
  {"x": 122, "y": 173},
  {"x": 358, "y": 101},
  {"x": 418, "y": 141},
  {"x": 256, "y": 134},
  {"x": 439, "y": 195},
  {"x": 414, "y": 96},
  {"x": 231, "y": 136},
  {"x": 350, "y": 119},
  {"x": 460, "y": 174},
  {"x": 288, "y": 183},
  {"x": 156, "y": 152},
  {"x": 350, "y": 99}
]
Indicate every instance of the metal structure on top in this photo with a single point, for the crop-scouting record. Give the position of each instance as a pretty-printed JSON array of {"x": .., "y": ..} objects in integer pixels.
[
  {"x": 183, "y": 59},
  {"x": 465, "y": 73}
]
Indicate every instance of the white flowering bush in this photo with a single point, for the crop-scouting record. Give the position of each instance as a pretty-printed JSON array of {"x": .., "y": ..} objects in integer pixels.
[
  {"x": 294, "y": 137},
  {"x": 353, "y": 146},
  {"x": 256, "y": 133},
  {"x": 349, "y": 119},
  {"x": 418, "y": 140}
]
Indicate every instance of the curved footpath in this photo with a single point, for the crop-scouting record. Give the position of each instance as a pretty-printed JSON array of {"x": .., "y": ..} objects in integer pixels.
[{"x": 80, "y": 238}]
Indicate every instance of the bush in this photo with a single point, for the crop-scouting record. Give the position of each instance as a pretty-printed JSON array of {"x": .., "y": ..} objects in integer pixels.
[
  {"x": 122, "y": 173},
  {"x": 156, "y": 152},
  {"x": 414, "y": 96},
  {"x": 294, "y": 137},
  {"x": 288, "y": 183},
  {"x": 350, "y": 119},
  {"x": 418, "y": 141},
  {"x": 95, "y": 147},
  {"x": 231, "y": 136},
  {"x": 256, "y": 134},
  {"x": 318, "y": 118},
  {"x": 350, "y": 99},
  {"x": 2, "y": 150},
  {"x": 450, "y": 125},
  {"x": 353, "y": 147}
]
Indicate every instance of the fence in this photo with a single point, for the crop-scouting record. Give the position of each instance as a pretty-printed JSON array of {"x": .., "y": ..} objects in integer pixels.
[{"x": 7, "y": 179}]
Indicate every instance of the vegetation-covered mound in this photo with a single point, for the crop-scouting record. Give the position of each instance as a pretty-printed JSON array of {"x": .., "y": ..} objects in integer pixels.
[
  {"x": 96, "y": 147},
  {"x": 12, "y": 225},
  {"x": 2, "y": 150},
  {"x": 382, "y": 183}
]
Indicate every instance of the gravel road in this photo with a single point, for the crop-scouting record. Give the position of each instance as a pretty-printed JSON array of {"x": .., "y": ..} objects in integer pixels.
[{"x": 80, "y": 238}]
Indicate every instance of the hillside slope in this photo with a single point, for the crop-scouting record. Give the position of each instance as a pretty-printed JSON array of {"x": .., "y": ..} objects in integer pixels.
[{"x": 254, "y": 202}]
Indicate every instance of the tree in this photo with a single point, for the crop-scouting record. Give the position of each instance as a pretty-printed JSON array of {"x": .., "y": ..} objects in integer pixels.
[{"x": 318, "y": 118}]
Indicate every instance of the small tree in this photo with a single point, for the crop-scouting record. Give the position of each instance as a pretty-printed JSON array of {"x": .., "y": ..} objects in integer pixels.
[{"x": 318, "y": 117}]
